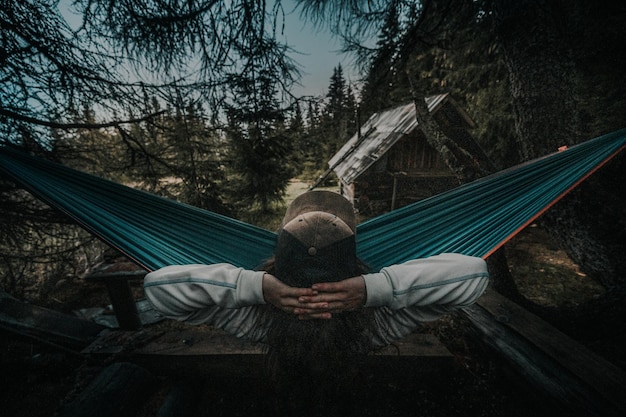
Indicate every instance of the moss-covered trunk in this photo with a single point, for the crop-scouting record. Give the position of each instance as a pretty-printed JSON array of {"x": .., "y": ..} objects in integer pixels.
[{"x": 544, "y": 83}]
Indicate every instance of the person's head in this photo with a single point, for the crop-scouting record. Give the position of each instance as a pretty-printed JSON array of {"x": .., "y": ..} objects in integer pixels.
[
  {"x": 317, "y": 243},
  {"x": 317, "y": 240}
]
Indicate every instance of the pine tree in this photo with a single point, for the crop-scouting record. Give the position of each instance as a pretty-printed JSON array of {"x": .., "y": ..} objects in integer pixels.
[
  {"x": 260, "y": 146},
  {"x": 297, "y": 133},
  {"x": 350, "y": 113},
  {"x": 381, "y": 70},
  {"x": 335, "y": 116}
]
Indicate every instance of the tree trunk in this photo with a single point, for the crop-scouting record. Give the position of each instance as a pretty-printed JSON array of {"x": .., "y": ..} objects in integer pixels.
[
  {"x": 466, "y": 167},
  {"x": 463, "y": 164},
  {"x": 533, "y": 36}
]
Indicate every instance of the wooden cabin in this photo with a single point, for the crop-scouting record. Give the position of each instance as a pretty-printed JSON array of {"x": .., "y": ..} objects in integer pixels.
[{"x": 389, "y": 164}]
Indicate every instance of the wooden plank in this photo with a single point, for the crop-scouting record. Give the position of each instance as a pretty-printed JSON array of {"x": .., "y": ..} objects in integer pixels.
[
  {"x": 581, "y": 361},
  {"x": 45, "y": 325},
  {"x": 117, "y": 276},
  {"x": 124, "y": 304},
  {"x": 205, "y": 351},
  {"x": 548, "y": 358}
]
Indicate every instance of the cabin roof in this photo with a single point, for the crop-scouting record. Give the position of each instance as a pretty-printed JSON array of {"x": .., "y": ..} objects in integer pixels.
[{"x": 381, "y": 131}]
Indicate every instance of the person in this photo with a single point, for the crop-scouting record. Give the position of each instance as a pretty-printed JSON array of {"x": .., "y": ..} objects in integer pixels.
[{"x": 314, "y": 304}]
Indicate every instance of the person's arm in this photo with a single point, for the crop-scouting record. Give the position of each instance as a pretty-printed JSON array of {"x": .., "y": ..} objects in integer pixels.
[
  {"x": 443, "y": 281},
  {"x": 220, "y": 295},
  {"x": 196, "y": 293},
  {"x": 421, "y": 291},
  {"x": 180, "y": 290},
  {"x": 433, "y": 285}
]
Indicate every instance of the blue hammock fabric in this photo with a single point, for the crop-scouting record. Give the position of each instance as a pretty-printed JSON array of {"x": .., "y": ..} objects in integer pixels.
[
  {"x": 152, "y": 231},
  {"x": 474, "y": 219},
  {"x": 477, "y": 218}
]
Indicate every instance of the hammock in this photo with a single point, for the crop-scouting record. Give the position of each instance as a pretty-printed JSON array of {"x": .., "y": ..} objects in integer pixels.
[
  {"x": 474, "y": 219},
  {"x": 479, "y": 217}
]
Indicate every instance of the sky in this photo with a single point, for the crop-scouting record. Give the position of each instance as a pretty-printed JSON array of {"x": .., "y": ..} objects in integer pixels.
[
  {"x": 318, "y": 51},
  {"x": 319, "y": 54}
]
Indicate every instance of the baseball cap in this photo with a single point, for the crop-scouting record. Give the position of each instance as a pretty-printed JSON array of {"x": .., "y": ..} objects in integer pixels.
[{"x": 317, "y": 242}]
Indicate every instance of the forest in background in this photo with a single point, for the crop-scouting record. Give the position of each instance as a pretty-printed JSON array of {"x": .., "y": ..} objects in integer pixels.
[{"x": 191, "y": 100}]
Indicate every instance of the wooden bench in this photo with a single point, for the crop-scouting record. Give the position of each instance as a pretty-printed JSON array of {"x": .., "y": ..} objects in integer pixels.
[
  {"x": 189, "y": 359},
  {"x": 199, "y": 350}
]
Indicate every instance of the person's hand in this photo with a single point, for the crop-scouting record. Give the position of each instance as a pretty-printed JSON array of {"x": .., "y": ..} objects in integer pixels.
[
  {"x": 286, "y": 298},
  {"x": 346, "y": 295}
]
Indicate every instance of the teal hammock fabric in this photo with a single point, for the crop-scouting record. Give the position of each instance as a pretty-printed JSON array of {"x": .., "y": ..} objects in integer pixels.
[
  {"x": 479, "y": 217},
  {"x": 474, "y": 219},
  {"x": 151, "y": 230}
]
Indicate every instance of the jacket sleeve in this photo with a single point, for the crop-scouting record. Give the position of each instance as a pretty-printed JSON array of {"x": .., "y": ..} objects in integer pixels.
[
  {"x": 222, "y": 295},
  {"x": 423, "y": 290}
]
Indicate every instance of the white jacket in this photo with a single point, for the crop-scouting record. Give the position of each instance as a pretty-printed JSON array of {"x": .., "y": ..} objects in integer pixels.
[{"x": 402, "y": 296}]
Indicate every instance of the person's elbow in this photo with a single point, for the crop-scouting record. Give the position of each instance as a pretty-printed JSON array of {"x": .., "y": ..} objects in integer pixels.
[
  {"x": 165, "y": 299},
  {"x": 478, "y": 274}
]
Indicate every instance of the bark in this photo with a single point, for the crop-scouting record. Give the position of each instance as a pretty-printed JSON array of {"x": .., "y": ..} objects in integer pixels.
[
  {"x": 533, "y": 35},
  {"x": 466, "y": 167},
  {"x": 463, "y": 164}
]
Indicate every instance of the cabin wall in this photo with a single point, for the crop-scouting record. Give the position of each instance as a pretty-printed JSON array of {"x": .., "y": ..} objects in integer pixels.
[
  {"x": 410, "y": 171},
  {"x": 347, "y": 190},
  {"x": 374, "y": 191},
  {"x": 412, "y": 155}
]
